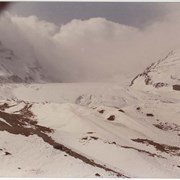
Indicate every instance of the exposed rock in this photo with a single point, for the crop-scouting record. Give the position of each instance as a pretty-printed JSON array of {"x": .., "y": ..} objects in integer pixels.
[
  {"x": 101, "y": 111},
  {"x": 111, "y": 118},
  {"x": 120, "y": 110},
  {"x": 176, "y": 87},
  {"x": 97, "y": 174},
  {"x": 150, "y": 115}
]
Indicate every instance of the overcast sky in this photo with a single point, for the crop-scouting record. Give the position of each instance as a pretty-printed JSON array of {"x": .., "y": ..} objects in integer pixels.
[
  {"x": 130, "y": 13},
  {"x": 90, "y": 41}
]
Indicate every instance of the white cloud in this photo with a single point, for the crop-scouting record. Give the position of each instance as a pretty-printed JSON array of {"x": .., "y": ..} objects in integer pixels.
[{"x": 89, "y": 50}]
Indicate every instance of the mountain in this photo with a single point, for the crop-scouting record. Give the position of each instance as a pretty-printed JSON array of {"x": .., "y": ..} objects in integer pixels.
[
  {"x": 17, "y": 70},
  {"x": 163, "y": 73},
  {"x": 88, "y": 130},
  {"x": 92, "y": 129}
]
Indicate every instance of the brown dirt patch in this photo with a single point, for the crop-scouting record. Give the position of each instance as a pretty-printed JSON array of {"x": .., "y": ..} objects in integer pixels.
[
  {"x": 24, "y": 124},
  {"x": 172, "y": 150},
  {"x": 143, "y": 151},
  {"x": 139, "y": 150},
  {"x": 5, "y": 106},
  {"x": 167, "y": 126}
]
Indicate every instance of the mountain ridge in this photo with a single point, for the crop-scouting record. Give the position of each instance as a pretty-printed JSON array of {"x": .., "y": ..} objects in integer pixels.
[
  {"x": 14, "y": 69},
  {"x": 163, "y": 73}
]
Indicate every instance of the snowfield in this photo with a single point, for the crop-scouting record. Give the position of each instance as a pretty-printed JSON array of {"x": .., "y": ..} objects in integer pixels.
[
  {"x": 92, "y": 129},
  {"x": 130, "y": 132}
]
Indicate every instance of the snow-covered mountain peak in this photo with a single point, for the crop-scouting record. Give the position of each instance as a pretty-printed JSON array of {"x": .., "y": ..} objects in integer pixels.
[
  {"x": 61, "y": 129},
  {"x": 15, "y": 69},
  {"x": 163, "y": 73}
]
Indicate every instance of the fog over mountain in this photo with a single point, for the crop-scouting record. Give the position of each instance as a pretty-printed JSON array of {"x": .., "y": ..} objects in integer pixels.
[
  {"x": 119, "y": 116},
  {"x": 94, "y": 49}
]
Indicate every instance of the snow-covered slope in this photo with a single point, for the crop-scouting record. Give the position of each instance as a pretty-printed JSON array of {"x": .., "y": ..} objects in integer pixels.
[
  {"x": 163, "y": 73},
  {"x": 88, "y": 130},
  {"x": 92, "y": 129},
  {"x": 15, "y": 69}
]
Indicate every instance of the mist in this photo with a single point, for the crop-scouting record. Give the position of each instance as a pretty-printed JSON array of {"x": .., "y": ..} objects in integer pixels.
[{"x": 89, "y": 50}]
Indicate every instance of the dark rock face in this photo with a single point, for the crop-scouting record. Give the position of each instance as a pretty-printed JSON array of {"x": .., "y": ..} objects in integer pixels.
[
  {"x": 149, "y": 114},
  {"x": 160, "y": 84},
  {"x": 172, "y": 150},
  {"x": 111, "y": 118},
  {"x": 138, "y": 108},
  {"x": 97, "y": 174},
  {"x": 101, "y": 111},
  {"x": 176, "y": 87},
  {"x": 120, "y": 110},
  {"x": 150, "y": 72},
  {"x": 15, "y": 78}
]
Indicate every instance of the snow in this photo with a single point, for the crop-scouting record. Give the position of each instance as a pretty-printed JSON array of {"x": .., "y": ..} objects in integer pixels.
[
  {"x": 141, "y": 141},
  {"x": 11, "y": 66},
  {"x": 166, "y": 71},
  {"x": 31, "y": 157}
]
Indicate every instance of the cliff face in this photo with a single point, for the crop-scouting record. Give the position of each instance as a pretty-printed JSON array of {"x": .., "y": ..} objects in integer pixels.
[{"x": 163, "y": 73}]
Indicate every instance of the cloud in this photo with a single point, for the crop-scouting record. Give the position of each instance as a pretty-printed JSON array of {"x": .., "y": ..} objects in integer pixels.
[
  {"x": 138, "y": 14},
  {"x": 89, "y": 50}
]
